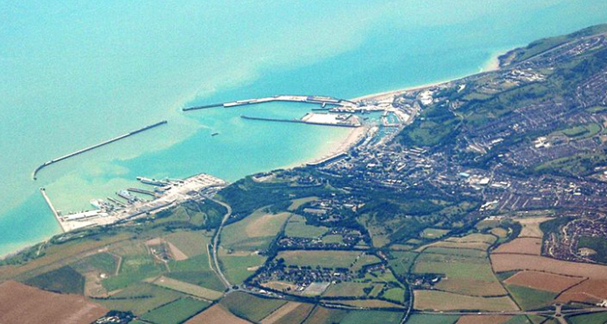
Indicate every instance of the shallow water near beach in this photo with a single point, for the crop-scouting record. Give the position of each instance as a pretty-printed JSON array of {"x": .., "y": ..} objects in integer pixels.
[{"x": 75, "y": 74}]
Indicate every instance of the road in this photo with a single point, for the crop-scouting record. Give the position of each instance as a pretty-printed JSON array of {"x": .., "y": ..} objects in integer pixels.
[
  {"x": 217, "y": 267},
  {"x": 557, "y": 313}
]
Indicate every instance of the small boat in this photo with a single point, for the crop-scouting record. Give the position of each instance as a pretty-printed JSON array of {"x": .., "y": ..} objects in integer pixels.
[{"x": 214, "y": 134}]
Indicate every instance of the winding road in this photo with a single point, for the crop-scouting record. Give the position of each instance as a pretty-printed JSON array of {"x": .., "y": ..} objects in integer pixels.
[{"x": 215, "y": 244}]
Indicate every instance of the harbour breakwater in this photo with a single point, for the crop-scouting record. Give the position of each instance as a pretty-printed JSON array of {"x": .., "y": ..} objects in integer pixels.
[
  {"x": 320, "y": 100},
  {"x": 90, "y": 148}
]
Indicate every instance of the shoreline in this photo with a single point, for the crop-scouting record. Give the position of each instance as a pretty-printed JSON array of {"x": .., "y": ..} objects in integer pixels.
[
  {"x": 355, "y": 135},
  {"x": 492, "y": 64}
]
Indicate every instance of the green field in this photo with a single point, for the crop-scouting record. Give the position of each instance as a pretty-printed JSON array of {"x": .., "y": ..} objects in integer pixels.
[
  {"x": 140, "y": 298},
  {"x": 253, "y": 233},
  {"x": 432, "y": 319},
  {"x": 530, "y": 299},
  {"x": 191, "y": 243},
  {"x": 433, "y": 233},
  {"x": 250, "y": 307},
  {"x": 133, "y": 269},
  {"x": 238, "y": 268},
  {"x": 175, "y": 312},
  {"x": 464, "y": 275},
  {"x": 401, "y": 262},
  {"x": 395, "y": 294},
  {"x": 296, "y": 203},
  {"x": 188, "y": 288},
  {"x": 207, "y": 279},
  {"x": 598, "y": 244},
  {"x": 443, "y": 301},
  {"x": 372, "y": 317},
  {"x": 197, "y": 263},
  {"x": 63, "y": 280},
  {"x": 296, "y": 227},
  {"x": 353, "y": 289},
  {"x": 579, "y": 165},
  {"x": 581, "y": 131},
  {"x": 353, "y": 260},
  {"x": 600, "y": 318},
  {"x": 102, "y": 262}
]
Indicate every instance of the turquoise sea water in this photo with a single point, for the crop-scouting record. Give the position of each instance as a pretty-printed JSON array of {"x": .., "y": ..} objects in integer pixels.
[{"x": 74, "y": 73}]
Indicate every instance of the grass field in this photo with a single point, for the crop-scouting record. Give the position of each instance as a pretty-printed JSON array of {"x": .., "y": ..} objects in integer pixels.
[
  {"x": 351, "y": 289},
  {"x": 296, "y": 203},
  {"x": 433, "y": 233},
  {"x": 296, "y": 227},
  {"x": 372, "y": 317},
  {"x": 238, "y": 268},
  {"x": 600, "y": 318},
  {"x": 464, "y": 275},
  {"x": 102, "y": 262},
  {"x": 197, "y": 263},
  {"x": 530, "y": 299},
  {"x": 395, "y": 295},
  {"x": 250, "y": 307},
  {"x": 255, "y": 232},
  {"x": 353, "y": 260},
  {"x": 188, "y": 288},
  {"x": 134, "y": 268},
  {"x": 192, "y": 243},
  {"x": 175, "y": 312},
  {"x": 581, "y": 131},
  {"x": 207, "y": 279},
  {"x": 140, "y": 298},
  {"x": 401, "y": 262},
  {"x": 443, "y": 301}
]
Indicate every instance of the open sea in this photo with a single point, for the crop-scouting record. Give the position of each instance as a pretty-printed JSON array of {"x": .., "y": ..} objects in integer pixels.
[{"x": 75, "y": 73}]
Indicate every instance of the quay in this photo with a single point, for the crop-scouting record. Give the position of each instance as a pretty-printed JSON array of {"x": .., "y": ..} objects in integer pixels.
[
  {"x": 117, "y": 202},
  {"x": 297, "y": 121},
  {"x": 143, "y": 191},
  {"x": 90, "y": 148},
  {"x": 55, "y": 213},
  {"x": 319, "y": 100}
]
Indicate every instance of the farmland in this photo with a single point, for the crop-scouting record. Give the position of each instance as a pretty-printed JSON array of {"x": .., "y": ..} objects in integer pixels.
[
  {"x": 21, "y": 304},
  {"x": 175, "y": 312},
  {"x": 444, "y": 301},
  {"x": 216, "y": 315},
  {"x": 328, "y": 259}
]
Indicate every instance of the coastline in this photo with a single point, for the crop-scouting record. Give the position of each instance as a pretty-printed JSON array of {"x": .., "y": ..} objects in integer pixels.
[
  {"x": 492, "y": 64},
  {"x": 356, "y": 134}
]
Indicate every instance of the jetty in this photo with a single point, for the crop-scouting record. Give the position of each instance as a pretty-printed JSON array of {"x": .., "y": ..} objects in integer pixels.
[
  {"x": 323, "y": 101},
  {"x": 55, "y": 212},
  {"x": 340, "y": 123},
  {"x": 90, "y": 148}
]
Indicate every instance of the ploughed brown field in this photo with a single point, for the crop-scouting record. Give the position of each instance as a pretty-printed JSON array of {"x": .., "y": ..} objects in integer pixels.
[
  {"x": 543, "y": 281},
  {"x": 22, "y": 304},
  {"x": 591, "y": 291},
  {"x": 476, "y": 319},
  {"x": 510, "y": 262},
  {"x": 216, "y": 315},
  {"x": 522, "y": 245}
]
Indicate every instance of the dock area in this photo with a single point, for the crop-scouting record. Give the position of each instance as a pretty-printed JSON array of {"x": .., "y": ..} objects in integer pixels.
[
  {"x": 90, "y": 148},
  {"x": 323, "y": 101},
  {"x": 321, "y": 119},
  {"x": 125, "y": 207}
]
